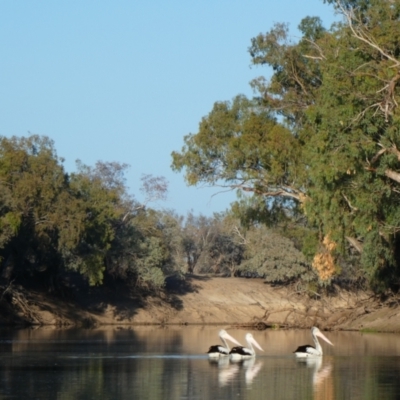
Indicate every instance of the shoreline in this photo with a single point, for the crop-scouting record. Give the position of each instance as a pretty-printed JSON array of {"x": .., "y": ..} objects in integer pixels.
[{"x": 236, "y": 302}]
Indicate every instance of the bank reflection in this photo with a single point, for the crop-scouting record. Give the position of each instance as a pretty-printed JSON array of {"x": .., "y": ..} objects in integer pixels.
[{"x": 159, "y": 363}]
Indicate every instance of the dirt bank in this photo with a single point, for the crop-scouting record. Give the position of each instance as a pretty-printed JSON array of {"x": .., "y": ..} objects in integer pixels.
[{"x": 204, "y": 300}]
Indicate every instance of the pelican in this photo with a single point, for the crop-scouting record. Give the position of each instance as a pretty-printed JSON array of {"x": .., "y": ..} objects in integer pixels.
[
  {"x": 240, "y": 352},
  {"x": 217, "y": 350},
  {"x": 311, "y": 351}
]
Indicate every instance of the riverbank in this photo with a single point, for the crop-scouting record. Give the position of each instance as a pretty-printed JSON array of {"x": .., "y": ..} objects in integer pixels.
[{"x": 206, "y": 300}]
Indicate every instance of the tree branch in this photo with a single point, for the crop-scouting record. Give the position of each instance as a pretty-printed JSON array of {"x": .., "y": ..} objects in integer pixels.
[{"x": 358, "y": 33}]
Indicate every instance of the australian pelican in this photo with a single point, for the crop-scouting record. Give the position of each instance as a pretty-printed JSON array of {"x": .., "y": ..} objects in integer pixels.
[
  {"x": 217, "y": 350},
  {"x": 311, "y": 351},
  {"x": 240, "y": 352}
]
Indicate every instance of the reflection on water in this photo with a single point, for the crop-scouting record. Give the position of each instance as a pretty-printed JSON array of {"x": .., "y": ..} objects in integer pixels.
[
  {"x": 171, "y": 363},
  {"x": 322, "y": 384},
  {"x": 228, "y": 370}
]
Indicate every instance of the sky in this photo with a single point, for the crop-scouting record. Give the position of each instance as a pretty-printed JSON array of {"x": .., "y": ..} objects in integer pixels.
[{"x": 126, "y": 80}]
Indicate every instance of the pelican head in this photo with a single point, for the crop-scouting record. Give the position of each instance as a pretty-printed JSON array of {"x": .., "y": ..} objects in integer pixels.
[
  {"x": 224, "y": 335},
  {"x": 316, "y": 332},
  {"x": 250, "y": 340}
]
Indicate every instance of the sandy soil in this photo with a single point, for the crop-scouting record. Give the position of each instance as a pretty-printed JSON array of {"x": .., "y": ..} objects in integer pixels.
[{"x": 204, "y": 300}]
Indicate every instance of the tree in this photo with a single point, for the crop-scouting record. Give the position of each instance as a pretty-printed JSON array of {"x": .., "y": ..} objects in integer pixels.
[
  {"x": 243, "y": 147},
  {"x": 321, "y": 135},
  {"x": 352, "y": 138},
  {"x": 37, "y": 218},
  {"x": 274, "y": 258}
]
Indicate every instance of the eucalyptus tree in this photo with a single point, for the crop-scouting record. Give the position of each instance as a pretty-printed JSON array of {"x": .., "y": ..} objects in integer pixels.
[
  {"x": 38, "y": 216},
  {"x": 352, "y": 138},
  {"x": 52, "y": 222},
  {"x": 121, "y": 237},
  {"x": 320, "y": 136}
]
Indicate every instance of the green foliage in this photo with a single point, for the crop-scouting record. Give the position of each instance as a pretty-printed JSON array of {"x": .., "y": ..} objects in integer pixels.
[
  {"x": 244, "y": 147},
  {"x": 33, "y": 203},
  {"x": 274, "y": 258},
  {"x": 326, "y": 124},
  {"x": 52, "y": 222},
  {"x": 150, "y": 262}
]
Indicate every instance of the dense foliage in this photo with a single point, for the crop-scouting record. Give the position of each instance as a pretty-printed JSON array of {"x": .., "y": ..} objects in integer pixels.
[
  {"x": 53, "y": 224},
  {"x": 320, "y": 138},
  {"x": 314, "y": 157}
]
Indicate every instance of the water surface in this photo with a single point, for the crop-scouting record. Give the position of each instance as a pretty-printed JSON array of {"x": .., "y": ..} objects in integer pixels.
[{"x": 171, "y": 363}]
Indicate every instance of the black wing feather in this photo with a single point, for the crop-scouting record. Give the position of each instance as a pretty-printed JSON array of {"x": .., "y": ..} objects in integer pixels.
[
  {"x": 303, "y": 349},
  {"x": 216, "y": 349},
  {"x": 240, "y": 350}
]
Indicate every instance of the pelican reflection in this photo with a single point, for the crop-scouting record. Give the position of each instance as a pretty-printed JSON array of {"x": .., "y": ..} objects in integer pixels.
[
  {"x": 226, "y": 370},
  {"x": 252, "y": 369},
  {"x": 321, "y": 377},
  {"x": 229, "y": 370}
]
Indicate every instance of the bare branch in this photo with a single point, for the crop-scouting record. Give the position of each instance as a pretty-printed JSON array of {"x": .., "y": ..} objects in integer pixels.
[
  {"x": 377, "y": 155},
  {"x": 313, "y": 57},
  {"x": 321, "y": 57},
  {"x": 360, "y": 34},
  {"x": 395, "y": 176},
  {"x": 349, "y": 204},
  {"x": 154, "y": 187},
  {"x": 355, "y": 243},
  {"x": 285, "y": 192},
  {"x": 237, "y": 231}
]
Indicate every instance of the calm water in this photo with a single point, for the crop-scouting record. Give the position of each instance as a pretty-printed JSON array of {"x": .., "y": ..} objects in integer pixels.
[{"x": 170, "y": 363}]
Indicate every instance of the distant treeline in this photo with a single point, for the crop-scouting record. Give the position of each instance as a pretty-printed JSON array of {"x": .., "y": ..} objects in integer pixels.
[{"x": 53, "y": 223}]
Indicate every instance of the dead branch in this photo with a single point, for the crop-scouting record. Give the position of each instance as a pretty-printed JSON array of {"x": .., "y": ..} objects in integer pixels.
[
  {"x": 237, "y": 231},
  {"x": 349, "y": 204},
  {"x": 355, "y": 243},
  {"x": 362, "y": 35},
  {"x": 377, "y": 155},
  {"x": 286, "y": 192},
  {"x": 321, "y": 57},
  {"x": 395, "y": 176},
  {"x": 20, "y": 302},
  {"x": 9, "y": 286},
  {"x": 389, "y": 102}
]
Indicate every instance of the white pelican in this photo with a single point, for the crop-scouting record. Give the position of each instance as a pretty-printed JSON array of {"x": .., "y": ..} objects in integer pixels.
[
  {"x": 311, "y": 351},
  {"x": 240, "y": 352},
  {"x": 217, "y": 350}
]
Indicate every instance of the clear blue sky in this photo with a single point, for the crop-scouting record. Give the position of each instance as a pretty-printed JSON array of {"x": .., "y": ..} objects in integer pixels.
[{"x": 125, "y": 80}]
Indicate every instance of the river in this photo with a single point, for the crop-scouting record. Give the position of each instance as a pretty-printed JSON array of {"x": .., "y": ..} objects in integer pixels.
[{"x": 149, "y": 362}]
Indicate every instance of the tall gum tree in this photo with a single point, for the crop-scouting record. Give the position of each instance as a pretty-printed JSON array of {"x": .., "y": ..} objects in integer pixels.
[
  {"x": 322, "y": 132},
  {"x": 352, "y": 137}
]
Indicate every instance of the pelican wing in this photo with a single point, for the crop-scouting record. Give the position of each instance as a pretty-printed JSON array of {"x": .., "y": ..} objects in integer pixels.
[
  {"x": 243, "y": 351},
  {"x": 307, "y": 350},
  {"x": 304, "y": 348},
  {"x": 218, "y": 349}
]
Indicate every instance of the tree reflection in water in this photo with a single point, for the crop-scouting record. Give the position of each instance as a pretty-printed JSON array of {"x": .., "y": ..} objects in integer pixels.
[{"x": 170, "y": 363}]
